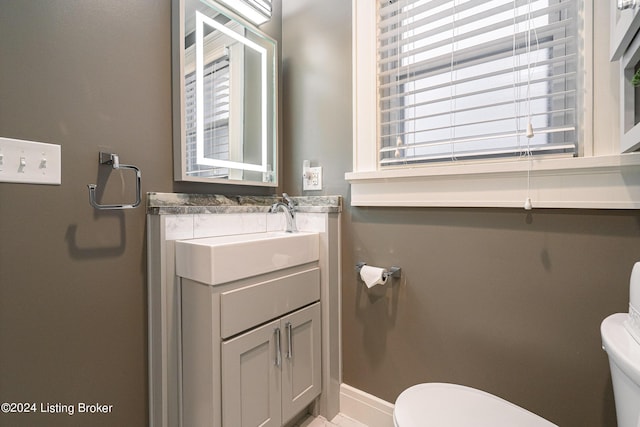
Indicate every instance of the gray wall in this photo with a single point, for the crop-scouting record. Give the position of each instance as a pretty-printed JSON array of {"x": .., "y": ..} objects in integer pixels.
[
  {"x": 88, "y": 75},
  {"x": 501, "y": 300},
  {"x": 498, "y": 299}
]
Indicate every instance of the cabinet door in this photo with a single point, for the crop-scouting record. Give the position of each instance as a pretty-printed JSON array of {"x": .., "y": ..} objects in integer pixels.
[
  {"x": 301, "y": 366},
  {"x": 251, "y": 378}
]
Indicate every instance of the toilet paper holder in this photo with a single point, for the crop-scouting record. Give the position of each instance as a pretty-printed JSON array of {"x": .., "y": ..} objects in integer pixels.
[{"x": 391, "y": 271}]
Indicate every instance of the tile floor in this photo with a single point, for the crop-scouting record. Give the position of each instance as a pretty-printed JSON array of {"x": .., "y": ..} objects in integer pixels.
[{"x": 339, "y": 421}]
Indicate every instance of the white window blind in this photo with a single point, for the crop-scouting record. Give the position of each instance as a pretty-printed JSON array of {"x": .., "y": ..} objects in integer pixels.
[
  {"x": 216, "y": 118},
  {"x": 256, "y": 11},
  {"x": 264, "y": 6},
  {"x": 462, "y": 79}
]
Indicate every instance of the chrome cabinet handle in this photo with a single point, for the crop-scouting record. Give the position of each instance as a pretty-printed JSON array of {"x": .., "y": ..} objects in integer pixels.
[
  {"x": 278, "y": 352},
  {"x": 626, "y": 4},
  {"x": 289, "y": 340}
]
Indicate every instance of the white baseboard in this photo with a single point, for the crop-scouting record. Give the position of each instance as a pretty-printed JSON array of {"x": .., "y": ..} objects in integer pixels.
[{"x": 365, "y": 408}]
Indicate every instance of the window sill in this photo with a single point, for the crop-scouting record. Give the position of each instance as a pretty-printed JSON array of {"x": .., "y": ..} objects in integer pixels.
[{"x": 604, "y": 182}]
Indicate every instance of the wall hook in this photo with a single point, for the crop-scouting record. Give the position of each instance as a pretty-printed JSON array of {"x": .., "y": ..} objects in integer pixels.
[{"x": 113, "y": 160}]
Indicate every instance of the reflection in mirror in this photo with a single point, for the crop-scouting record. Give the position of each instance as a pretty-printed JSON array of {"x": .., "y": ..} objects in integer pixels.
[{"x": 225, "y": 123}]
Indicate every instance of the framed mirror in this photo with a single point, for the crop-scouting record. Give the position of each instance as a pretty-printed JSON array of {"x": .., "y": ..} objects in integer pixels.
[{"x": 224, "y": 97}]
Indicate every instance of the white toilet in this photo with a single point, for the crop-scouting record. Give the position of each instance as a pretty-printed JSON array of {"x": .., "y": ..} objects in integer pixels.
[
  {"x": 621, "y": 340},
  {"x": 451, "y": 405}
]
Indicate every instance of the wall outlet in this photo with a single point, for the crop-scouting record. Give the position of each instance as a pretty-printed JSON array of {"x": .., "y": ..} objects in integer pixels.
[{"x": 312, "y": 179}]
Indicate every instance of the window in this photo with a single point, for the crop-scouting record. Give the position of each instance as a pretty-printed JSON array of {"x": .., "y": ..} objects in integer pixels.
[
  {"x": 464, "y": 79},
  {"x": 436, "y": 157}
]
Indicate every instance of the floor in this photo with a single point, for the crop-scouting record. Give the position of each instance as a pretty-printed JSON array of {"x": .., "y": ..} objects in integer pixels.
[{"x": 339, "y": 421}]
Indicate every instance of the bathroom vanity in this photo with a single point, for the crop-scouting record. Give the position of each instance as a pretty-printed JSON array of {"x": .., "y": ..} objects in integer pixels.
[
  {"x": 250, "y": 328},
  {"x": 246, "y": 355},
  {"x": 243, "y": 317}
]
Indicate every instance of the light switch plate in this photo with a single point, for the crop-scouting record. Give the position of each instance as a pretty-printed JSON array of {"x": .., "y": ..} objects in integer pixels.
[{"x": 29, "y": 162}]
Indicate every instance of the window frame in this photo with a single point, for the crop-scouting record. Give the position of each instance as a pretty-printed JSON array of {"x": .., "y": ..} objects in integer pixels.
[{"x": 600, "y": 178}]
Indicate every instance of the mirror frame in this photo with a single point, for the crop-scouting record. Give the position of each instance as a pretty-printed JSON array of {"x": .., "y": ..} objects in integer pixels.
[{"x": 178, "y": 100}]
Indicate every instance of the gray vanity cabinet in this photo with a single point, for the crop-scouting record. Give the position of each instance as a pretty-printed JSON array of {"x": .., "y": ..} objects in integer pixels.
[
  {"x": 272, "y": 372},
  {"x": 251, "y": 380},
  {"x": 301, "y": 368},
  {"x": 251, "y": 349}
]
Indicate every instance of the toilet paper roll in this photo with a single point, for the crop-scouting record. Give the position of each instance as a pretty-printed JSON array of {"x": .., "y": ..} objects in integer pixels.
[{"x": 372, "y": 276}]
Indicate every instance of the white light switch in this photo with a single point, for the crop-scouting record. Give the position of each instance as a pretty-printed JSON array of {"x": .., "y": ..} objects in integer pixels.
[{"x": 29, "y": 162}]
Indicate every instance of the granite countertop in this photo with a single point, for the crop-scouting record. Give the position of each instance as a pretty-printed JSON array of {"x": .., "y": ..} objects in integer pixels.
[{"x": 183, "y": 203}]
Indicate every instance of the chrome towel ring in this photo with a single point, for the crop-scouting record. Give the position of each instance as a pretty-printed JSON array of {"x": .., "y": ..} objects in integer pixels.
[{"x": 114, "y": 161}]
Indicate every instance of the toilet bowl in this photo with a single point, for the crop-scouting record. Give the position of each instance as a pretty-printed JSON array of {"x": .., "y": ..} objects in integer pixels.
[
  {"x": 624, "y": 360},
  {"x": 451, "y": 405}
]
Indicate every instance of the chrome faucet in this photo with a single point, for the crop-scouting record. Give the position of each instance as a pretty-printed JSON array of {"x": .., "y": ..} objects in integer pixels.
[{"x": 289, "y": 210}]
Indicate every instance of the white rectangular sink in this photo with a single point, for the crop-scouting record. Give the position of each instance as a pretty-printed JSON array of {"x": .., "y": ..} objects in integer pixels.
[{"x": 217, "y": 260}]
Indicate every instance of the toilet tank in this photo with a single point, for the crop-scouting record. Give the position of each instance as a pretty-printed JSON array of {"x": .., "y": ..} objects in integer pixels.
[{"x": 624, "y": 361}]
